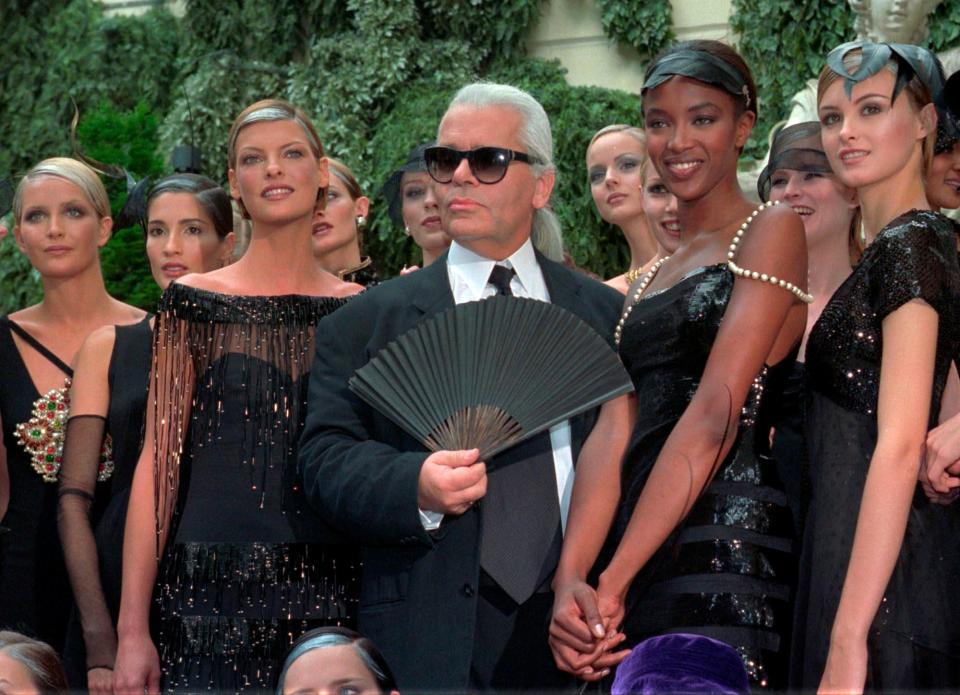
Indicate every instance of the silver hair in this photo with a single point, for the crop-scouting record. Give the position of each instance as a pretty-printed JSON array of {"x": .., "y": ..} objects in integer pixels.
[{"x": 536, "y": 138}]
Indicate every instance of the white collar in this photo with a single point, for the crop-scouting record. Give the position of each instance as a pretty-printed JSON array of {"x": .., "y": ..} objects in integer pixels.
[{"x": 474, "y": 269}]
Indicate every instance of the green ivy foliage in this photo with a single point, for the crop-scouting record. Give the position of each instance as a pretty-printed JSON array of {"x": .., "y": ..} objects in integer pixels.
[
  {"x": 785, "y": 42},
  {"x": 129, "y": 139},
  {"x": 645, "y": 25},
  {"x": 944, "y": 24},
  {"x": 19, "y": 282},
  {"x": 278, "y": 31},
  {"x": 495, "y": 28},
  {"x": 78, "y": 54},
  {"x": 352, "y": 80}
]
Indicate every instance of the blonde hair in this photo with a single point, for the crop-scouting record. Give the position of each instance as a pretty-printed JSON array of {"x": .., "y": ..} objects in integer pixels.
[
  {"x": 634, "y": 132},
  {"x": 346, "y": 177},
  {"x": 72, "y": 170}
]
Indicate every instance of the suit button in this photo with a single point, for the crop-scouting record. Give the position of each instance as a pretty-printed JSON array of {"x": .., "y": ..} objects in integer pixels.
[{"x": 467, "y": 590}]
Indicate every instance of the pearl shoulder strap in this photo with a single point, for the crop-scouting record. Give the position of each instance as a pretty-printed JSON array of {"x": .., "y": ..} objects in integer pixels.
[
  {"x": 753, "y": 274},
  {"x": 734, "y": 268}
]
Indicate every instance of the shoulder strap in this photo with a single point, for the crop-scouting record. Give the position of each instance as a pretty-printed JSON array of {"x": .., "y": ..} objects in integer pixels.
[
  {"x": 40, "y": 347},
  {"x": 754, "y": 275}
]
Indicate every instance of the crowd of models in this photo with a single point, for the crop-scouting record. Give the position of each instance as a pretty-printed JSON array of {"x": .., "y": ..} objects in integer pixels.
[{"x": 194, "y": 499}]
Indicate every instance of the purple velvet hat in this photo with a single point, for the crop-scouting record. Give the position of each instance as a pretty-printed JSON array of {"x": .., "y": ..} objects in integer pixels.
[{"x": 680, "y": 663}]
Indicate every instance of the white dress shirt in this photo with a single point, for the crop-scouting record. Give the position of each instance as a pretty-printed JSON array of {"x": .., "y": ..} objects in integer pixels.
[{"x": 468, "y": 274}]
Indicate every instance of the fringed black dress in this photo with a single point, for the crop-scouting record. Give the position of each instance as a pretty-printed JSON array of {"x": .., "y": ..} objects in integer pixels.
[
  {"x": 247, "y": 568},
  {"x": 727, "y": 571},
  {"x": 914, "y": 642}
]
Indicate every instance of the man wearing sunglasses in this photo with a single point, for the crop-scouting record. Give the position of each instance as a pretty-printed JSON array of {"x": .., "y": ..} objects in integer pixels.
[{"x": 455, "y": 596}]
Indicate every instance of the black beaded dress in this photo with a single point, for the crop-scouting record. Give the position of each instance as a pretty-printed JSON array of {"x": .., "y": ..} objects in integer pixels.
[
  {"x": 247, "y": 568},
  {"x": 106, "y": 504},
  {"x": 914, "y": 642},
  {"x": 727, "y": 571},
  {"x": 35, "y": 596}
]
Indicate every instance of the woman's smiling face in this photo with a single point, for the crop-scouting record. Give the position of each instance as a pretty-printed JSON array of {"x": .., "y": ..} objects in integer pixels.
[{"x": 694, "y": 134}]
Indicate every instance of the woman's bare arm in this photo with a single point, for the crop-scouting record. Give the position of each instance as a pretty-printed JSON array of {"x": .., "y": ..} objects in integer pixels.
[{"x": 906, "y": 382}]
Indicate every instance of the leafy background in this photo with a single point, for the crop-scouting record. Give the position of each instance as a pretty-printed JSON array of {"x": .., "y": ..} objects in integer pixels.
[{"x": 374, "y": 75}]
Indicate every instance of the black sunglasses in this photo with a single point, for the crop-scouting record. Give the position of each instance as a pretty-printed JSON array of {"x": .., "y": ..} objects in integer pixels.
[{"x": 488, "y": 164}]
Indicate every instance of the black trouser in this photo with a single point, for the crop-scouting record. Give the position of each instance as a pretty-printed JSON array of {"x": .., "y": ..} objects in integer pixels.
[{"x": 510, "y": 650}]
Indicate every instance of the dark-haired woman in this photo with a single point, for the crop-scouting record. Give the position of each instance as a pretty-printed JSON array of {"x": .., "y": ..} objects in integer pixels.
[
  {"x": 332, "y": 659},
  {"x": 188, "y": 229},
  {"x": 61, "y": 220},
  {"x": 880, "y": 562},
  {"x": 215, "y": 491},
  {"x": 338, "y": 229},
  {"x": 701, "y": 534},
  {"x": 412, "y": 205}
]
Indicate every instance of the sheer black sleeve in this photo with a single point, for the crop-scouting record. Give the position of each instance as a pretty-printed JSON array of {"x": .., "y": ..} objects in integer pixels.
[{"x": 78, "y": 479}]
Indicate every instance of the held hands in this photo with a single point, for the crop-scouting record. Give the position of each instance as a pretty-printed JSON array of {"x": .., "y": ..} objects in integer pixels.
[
  {"x": 100, "y": 681},
  {"x": 451, "y": 481},
  {"x": 583, "y": 631},
  {"x": 137, "y": 670},
  {"x": 940, "y": 469}
]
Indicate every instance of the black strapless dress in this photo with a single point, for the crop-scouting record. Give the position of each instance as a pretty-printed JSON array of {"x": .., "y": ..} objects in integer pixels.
[
  {"x": 726, "y": 572},
  {"x": 127, "y": 378},
  {"x": 248, "y": 567},
  {"x": 914, "y": 642}
]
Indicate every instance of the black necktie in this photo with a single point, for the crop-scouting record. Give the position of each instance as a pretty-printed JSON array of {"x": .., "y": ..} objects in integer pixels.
[
  {"x": 521, "y": 540},
  {"x": 500, "y": 278}
]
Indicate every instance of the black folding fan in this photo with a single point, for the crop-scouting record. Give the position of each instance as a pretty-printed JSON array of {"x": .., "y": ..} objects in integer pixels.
[{"x": 489, "y": 374}]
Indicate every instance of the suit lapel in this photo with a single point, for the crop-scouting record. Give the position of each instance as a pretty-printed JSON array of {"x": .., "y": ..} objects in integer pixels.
[
  {"x": 433, "y": 293},
  {"x": 563, "y": 286}
]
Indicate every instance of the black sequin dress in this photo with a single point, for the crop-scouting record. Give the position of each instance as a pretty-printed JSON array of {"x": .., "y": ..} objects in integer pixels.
[
  {"x": 915, "y": 638},
  {"x": 247, "y": 568},
  {"x": 726, "y": 572}
]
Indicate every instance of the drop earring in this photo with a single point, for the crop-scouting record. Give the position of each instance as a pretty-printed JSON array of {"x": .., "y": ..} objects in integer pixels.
[{"x": 361, "y": 221}]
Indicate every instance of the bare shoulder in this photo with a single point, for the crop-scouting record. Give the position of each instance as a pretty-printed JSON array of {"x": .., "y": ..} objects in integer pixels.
[
  {"x": 95, "y": 352},
  {"x": 619, "y": 283},
  {"x": 214, "y": 281},
  {"x": 346, "y": 289},
  {"x": 775, "y": 231}
]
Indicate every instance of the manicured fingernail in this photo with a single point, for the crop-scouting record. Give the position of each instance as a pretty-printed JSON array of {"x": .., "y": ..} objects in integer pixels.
[
  {"x": 606, "y": 672},
  {"x": 598, "y": 630}
]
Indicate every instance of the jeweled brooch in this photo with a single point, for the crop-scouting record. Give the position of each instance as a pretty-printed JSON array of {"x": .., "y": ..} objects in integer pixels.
[{"x": 43, "y": 434}]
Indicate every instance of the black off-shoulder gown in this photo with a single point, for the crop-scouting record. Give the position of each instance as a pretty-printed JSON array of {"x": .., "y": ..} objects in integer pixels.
[{"x": 248, "y": 566}]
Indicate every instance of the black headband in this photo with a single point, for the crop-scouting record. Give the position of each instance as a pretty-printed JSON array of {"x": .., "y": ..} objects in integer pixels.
[
  {"x": 702, "y": 66},
  {"x": 797, "y": 148},
  {"x": 911, "y": 60}
]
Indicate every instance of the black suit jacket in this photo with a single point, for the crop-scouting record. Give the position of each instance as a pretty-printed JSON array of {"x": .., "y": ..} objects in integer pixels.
[{"x": 360, "y": 471}]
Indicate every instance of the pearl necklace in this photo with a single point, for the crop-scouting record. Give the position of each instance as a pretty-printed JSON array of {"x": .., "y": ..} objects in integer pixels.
[
  {"x": 734, "y": 268},
  {"x": 618, "y": 331}
]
